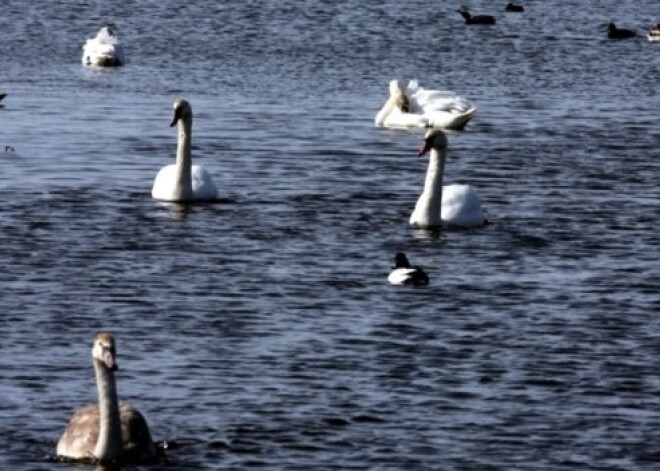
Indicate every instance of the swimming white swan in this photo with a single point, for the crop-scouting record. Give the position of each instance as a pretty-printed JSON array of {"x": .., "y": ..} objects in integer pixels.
[
  {"x": 415, "y": 106},
  {"x": 108, "y": 431},
  {"x": 453, "y": 205},
  {"x": 403, "y": 273},
  {"x": 104, "y": 50},
  {"x": 183, "y": 181}
]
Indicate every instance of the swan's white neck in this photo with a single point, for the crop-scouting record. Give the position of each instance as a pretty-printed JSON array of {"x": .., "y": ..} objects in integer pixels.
[
  {"x": 428, "y": 208},
  {"x": 109, "y": 445},
  {"x": 385, "y": 111},
  {"x": 183, "y": 190}
]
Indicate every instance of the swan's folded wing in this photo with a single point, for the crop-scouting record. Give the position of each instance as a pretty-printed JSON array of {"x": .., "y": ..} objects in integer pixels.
[
  {"x": 450, "y": 119},
  {"x": 138, "y": 444},
  {"x": 399, "y": 119},
  {"x": 461, "y": 206},
  {"x": 203, "y": 186},
  {"x": 81, "y": 434}
]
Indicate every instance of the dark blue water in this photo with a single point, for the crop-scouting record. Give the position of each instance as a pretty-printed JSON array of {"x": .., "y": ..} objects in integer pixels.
[{"x": 259, "y": 332}]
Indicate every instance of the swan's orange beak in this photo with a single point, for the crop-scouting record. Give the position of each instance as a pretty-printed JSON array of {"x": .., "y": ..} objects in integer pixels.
[
  {"x": 426, "y": 146},
  {"x": 176, "y": 116},
  {"x": 109, "y": 359}
]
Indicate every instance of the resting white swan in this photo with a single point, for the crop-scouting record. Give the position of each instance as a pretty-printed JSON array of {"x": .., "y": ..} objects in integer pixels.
[
  {"x": 454, "y": 205},
  {"x": 104, "y": 50},
  {"x": 108, "y": 431},
  {"x": 403, "y": 273},
  {"x": 418, "y": 107},
  {"x": 183, "y": 181}
]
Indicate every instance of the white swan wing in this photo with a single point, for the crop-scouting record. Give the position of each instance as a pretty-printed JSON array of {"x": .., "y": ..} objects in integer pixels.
[
  {"x": 99, "y": 54},
  {"x": 203, "y": 186},
  {"x": 440, "y": 101},
  {"x": 164, "y": 183},
  {"x": 399, "y": 119},
  {"x": 449, "y": 119},
  {"x": 442, "y": 108},
  {"x": 104, "y": 49},
  {"x": 461, "y": 206},
  {"x": 167, "y": 188}
]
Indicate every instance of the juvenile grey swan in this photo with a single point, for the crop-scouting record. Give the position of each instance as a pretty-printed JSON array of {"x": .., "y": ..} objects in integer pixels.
[
  {"x": 110, "y": 431},
  {"x": 183, "y": 181}
]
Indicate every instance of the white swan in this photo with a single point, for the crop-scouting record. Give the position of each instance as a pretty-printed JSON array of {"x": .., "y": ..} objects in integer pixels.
[
  {"x": 108, "y": 431},
  {"x": 415, "y": 106},
  {"x": 454, "y": 205},
  {"x": 654, "y": 34},
  {"x": 183, "y": 181},
  {"x": 403, "y": 273},
  {"x": 104, "y": 50}
]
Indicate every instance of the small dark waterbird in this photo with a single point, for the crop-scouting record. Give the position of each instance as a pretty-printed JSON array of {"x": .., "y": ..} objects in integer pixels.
[
  {"x": 619, "y": 33},
  {"x": 403, "y": 273},
  {"x": 475, "y": 19},
  {"x": 514, "y": 7}
]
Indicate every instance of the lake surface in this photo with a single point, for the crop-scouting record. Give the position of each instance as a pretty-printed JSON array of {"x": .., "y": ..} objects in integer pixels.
[{"x": 259, "y": 332}]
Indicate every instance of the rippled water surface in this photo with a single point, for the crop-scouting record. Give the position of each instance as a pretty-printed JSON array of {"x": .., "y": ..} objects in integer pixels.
[{"x": 259, "y": 332}]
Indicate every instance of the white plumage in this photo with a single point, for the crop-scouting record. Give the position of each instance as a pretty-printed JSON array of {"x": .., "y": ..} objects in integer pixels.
[
  {"x": 182, "y": 181},
  {"x": 104, "y": 50},
  {"x": 416, "y": 106},
  {"x": 454, "y": 205}
]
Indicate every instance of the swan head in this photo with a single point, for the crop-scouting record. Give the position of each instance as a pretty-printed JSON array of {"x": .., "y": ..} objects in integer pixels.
[
  {"x": 182, "y": 111},
  {"x": 395, "y": 87},
  {"x": 103, "y": 350},
  {"x": 398, "y": 96},
  {"x": 434, "y": 139}
]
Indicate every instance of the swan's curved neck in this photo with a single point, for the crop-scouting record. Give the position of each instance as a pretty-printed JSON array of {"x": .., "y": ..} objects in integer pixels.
[
  {"x": 184, "y": 160},
  {"x": 109, "y": 445},
  {"x": 432, "y": 194},
  {"x": 385, "y": 111}
]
